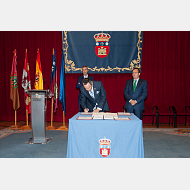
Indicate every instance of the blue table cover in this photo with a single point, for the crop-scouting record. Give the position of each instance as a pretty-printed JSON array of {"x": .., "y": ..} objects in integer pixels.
[{"x": 124, "y": 138}]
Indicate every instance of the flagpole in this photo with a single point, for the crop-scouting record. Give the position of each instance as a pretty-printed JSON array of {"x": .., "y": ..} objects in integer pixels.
[
  {"x": 13, "y": 88},
  {"x": 26, "y": 117},
  {"x": 15, "y": 117},
  {"x": 62, "y": 93},
  {"x": 51, "y": 111},
  {"x": 15, "y": 126},
  {"x": 27, "y": 102},
  {"x": 51, "y": 127},
  {"x": 64, "y": 126},
  {"x": 64, "y": 119},
  {"x": 52, "y": 104},
  {"x": 26, "y": 126}
]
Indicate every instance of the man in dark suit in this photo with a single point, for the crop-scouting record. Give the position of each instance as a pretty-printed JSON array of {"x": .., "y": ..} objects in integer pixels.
[
  {"x": 79, "y": 82},
  {"x": 135, "y": 92},
  {"x": 93, "y": 96}
]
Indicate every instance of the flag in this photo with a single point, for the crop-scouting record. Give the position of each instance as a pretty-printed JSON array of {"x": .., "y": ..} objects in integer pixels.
[
  {"x": 102, "y": 51},
  {"x": 54, "y": 87},
  {"x": 62, "y": 83},
  {"x": 26, "y": 83},
  {"x": 14, "y": 95},
  {"x": 38, "y": 85}
]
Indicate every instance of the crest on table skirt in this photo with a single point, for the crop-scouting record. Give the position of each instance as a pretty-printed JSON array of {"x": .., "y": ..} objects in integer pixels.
[
  {"x": 102, "y": 44},
  {"x": 105, "y": 147}
]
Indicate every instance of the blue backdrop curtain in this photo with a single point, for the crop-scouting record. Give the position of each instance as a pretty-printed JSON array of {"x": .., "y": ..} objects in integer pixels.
[{"x": 102, "y": 52}]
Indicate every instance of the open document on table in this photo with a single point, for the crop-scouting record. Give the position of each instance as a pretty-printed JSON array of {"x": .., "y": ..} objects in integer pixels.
[{"x": 103, "y": 116}]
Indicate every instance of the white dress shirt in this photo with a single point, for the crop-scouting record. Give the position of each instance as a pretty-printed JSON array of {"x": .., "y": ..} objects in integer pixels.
[
  {"x": 92, "y": 90},
  {"x": 136, "y": 82}
]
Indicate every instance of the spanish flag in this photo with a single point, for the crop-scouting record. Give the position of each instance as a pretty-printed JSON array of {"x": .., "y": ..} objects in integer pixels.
[{"x": 38, "y": 76}]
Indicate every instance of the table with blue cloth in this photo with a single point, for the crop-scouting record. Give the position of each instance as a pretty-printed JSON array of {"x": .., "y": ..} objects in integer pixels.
[{"x": 105, "y": 138}]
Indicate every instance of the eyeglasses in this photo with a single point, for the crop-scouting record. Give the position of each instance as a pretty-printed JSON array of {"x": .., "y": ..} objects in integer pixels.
[{"x": 134, "y": 72}]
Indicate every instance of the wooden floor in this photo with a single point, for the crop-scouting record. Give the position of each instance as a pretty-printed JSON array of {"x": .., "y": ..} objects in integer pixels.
[{"x": 5, "y": 124}]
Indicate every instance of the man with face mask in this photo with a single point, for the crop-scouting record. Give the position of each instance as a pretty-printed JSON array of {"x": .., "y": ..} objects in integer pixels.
[{"x": 135, "y": 92}]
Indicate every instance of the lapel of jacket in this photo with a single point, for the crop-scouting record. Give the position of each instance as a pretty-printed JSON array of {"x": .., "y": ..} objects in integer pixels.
[
  {"x": 95, "y": 90},
  {"x": 132, "y": 84},
  {"x": 88, "y": 95},
  {"x": 138, "y": 84},
  {"x": 82, "y": 78}
]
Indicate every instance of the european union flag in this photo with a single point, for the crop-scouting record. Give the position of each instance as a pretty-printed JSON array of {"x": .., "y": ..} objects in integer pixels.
[{"x": 62, "y": 83}]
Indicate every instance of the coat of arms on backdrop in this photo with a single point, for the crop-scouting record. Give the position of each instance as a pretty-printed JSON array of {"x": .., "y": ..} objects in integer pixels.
[
  {"x": 102, "y": 51},
  {"x": 102, "y": 44},
  {"x": 105, "y": 147}
]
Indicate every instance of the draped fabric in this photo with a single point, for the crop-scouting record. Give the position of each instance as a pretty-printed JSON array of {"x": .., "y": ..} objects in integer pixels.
[
  {"x": 26, "y": 82},
  {"x": 165, "y": 66},
  {"x": 102, "y": 52},
  {"x": 62, "y": 83},
  {"x": 38, "y": 77},
  {"x": 14, "y": 94},
  {"x": 54, "y": 87}
]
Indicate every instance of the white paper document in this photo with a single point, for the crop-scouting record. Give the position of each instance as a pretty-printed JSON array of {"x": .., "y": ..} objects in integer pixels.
[
  {"x": 102, "y": 115},
  {"x": 98, "y": 116},
  {"x": 86, "y": 113},
  {"x": 84, "y": 118},
  {"x": 123, "y": 118},
  {"x": 123, "y": 113},
  {"x": 108, "y": 117}
]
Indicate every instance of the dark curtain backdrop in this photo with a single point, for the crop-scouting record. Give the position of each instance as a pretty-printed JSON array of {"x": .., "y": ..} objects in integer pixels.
[{"x": 165, "y": 66}]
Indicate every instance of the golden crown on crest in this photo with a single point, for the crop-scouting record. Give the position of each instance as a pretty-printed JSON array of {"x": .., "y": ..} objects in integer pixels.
[
  {"x": 104, "y": 141},
  {"x": 102, "y": 37}
]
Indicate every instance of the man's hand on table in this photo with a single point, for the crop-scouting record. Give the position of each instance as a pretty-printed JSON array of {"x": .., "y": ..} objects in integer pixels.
[
  {"x": 96, "y": 111},
  {"x": 86, "y": 110}
]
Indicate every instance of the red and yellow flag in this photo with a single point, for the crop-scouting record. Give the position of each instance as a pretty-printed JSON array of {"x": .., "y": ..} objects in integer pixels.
[
  {"x": 14, "y": 94},
  {"x": 38, "y": 85},
  {"x": 26, "y": 83}
]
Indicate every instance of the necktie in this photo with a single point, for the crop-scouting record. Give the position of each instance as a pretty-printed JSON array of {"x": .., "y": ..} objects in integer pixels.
[
  {"x": 91, "y": 94},
  {"x": 134, "y": 86}
]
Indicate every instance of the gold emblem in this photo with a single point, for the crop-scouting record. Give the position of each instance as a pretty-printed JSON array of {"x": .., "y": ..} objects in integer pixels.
[
  {"x": 102, "y": 51},
  {"x": 27, "y": 100}
]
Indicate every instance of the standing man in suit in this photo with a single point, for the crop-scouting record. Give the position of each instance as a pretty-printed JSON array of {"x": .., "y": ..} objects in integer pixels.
[
  {"x": 135, "y": 92},
  {"x": 79, "y": 82},
  {"x": 93, "y": 96}
]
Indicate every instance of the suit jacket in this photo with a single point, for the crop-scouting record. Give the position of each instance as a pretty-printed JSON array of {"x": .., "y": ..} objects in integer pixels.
[
  {"x": 139, "y": 95},
  {"x": 86, "y": 101},
  {"x": 79, "y": 82}
]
